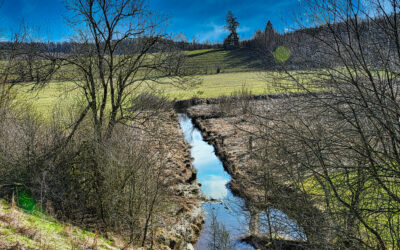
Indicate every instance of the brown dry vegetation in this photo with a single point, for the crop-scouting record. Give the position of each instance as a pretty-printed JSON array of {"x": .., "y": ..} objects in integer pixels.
[{"x": 153, "y": 172}]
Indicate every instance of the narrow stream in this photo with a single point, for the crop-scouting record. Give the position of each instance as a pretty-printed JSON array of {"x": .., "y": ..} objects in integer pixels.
[{"x": 226, "y": 208}]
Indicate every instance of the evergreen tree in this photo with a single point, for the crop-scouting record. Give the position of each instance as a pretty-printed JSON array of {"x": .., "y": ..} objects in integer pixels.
[
  {"x": 232, "y": 41},
  {"x": 269, "y": 29}
]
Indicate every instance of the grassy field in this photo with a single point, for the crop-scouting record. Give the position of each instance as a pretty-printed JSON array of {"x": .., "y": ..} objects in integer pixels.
[
  {"x": 207, "y": 61},
  {"x": 238, "y": 68},
  {"x": 224, "y": 84}
]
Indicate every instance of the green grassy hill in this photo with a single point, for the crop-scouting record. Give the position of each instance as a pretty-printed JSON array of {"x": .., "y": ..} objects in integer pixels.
[
  {"x": 207, "y": 61},
  {"x": 238, "y": 68}
]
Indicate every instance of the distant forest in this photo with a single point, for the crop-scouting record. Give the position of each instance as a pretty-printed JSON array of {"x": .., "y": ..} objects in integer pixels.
[{"x": 303, "y": 44}]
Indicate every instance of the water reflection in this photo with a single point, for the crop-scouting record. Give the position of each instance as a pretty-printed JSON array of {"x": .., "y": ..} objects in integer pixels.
[
  {"x": 228, "y": 209},
  {"x": 215, "y": 187},
  {"x": 210, "y": 171}
]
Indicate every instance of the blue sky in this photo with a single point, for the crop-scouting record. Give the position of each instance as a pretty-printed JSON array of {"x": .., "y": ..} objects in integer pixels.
[
  {"x": 45, "y": 15},
  {"x": 204, "y": 19}
]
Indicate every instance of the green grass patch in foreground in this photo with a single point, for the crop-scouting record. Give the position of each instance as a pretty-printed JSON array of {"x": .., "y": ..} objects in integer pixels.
[{"x": 39, "y": 231}]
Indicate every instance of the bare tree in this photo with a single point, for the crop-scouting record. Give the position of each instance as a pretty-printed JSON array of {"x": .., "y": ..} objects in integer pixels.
[
  {"x": 339, "y": 146},
  {"x": 100, "y": 161},
  {"x": 119, "y": 49}
]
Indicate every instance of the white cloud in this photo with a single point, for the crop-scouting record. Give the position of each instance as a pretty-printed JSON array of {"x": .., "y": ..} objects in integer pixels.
[
  {"x": 215, "y": 34},
  {"x": 215, "y": 187},
  {"x": 203, "y": 154}
]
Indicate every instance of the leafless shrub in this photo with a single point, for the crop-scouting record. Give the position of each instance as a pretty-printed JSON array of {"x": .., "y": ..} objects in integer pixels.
[
  {"x": 239, "y": 102},
  {"x": 225, "y": 105},
  {"x": 243, "y": 99}
]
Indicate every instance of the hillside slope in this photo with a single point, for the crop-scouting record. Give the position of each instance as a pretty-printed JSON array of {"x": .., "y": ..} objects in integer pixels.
[
  {"x": 21, "y": 230},
  {"x": 208, "y": 61}
]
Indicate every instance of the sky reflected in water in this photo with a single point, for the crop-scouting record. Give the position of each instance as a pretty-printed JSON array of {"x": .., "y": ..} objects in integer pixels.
[
  {"x": 228, "y": 209},
  {"x": 210, "y": 173}
]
